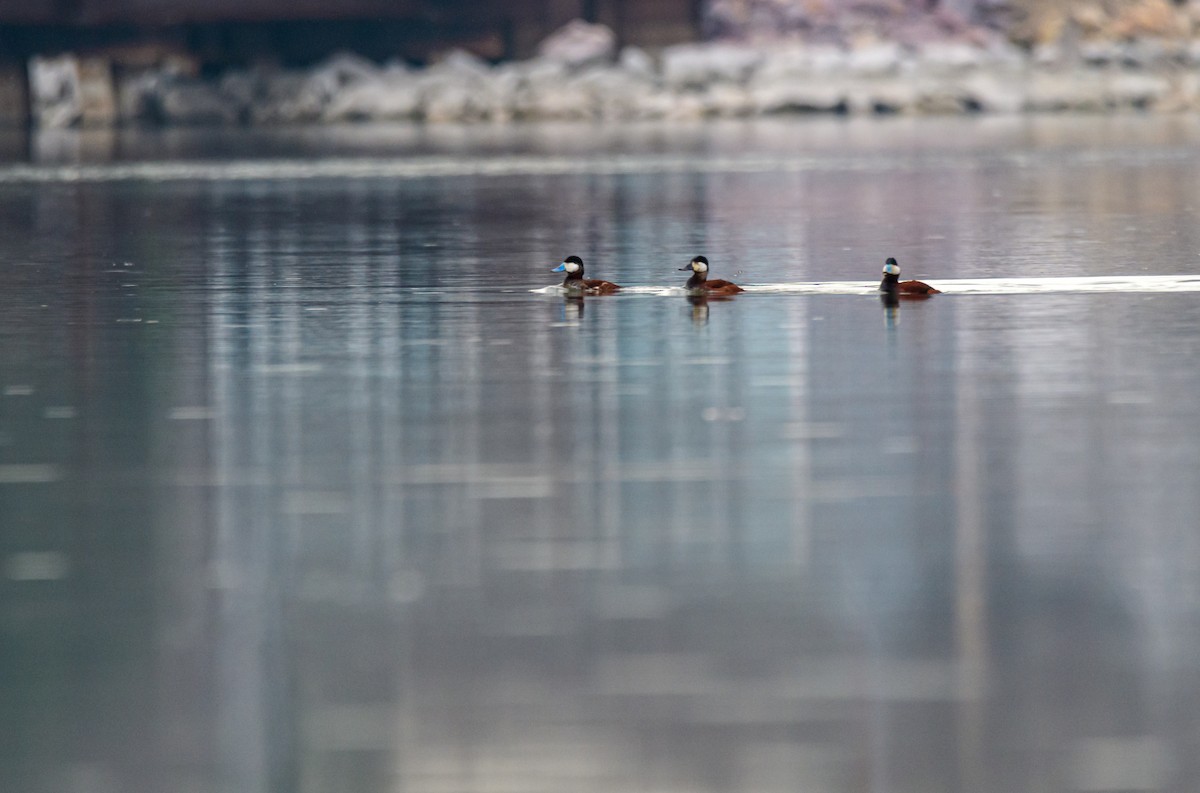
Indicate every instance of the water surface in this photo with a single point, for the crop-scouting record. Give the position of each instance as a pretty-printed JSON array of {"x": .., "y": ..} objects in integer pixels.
[{"x": 307, "y": 483}]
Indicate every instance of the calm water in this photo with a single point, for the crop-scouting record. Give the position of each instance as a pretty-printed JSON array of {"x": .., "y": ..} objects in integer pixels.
[{"x": 304, "y": 488}]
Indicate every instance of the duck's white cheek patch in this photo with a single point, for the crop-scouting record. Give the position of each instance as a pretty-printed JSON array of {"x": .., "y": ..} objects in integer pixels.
[
  {"x": 700, "y": 267},
  {"x": 571, "y": 267},
  {"x": 891, "y": 269}
]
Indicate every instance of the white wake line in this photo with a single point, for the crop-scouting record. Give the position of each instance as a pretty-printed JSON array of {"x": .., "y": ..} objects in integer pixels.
[{"x": 964, "y": 286}]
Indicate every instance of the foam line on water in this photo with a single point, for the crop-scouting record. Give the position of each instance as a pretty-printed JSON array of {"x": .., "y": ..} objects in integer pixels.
[
  {"x": 965, "y": 286},
  {"x": 1003, "y": 286}
]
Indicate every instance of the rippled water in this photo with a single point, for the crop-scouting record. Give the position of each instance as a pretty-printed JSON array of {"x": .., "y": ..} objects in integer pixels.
[{"x": 308, "y": 482}]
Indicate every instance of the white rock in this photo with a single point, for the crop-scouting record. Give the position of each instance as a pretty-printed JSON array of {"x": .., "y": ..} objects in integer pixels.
[
  {"x": 637, "y": 61},
  {"x": 1052, "y": 91},
  {"x": 801, "y": 61},
  {"x": 995, "y": 91},
  {"x": 137, "y": 95},
  {"x": 459, "y": 63},
  {"x": 389, "y": 97},
  {"x": 291, "y": 97},
  {"x": 450, "y": 100},
  {"x": 828, "y": 60},
  {"x": 56, "y": 91},
  {"x": 725, "y": 100},
  {"x": 195, "y": 102},
  {"x": 698, "y": 65},
  {"x": 1133, "y": 89},
  {"x": 685, "y": 107},
  {"x": 1047, "y": 54},
  {"x": 1100, "y": 53},
  {"x": 614, "y": 94},
  {"x": 579, "y": 43},
  {"x": 500, "y": 92},
  {"x": 799, "y": 96},
  {"x": 243, "y": 86},
  {"x": 881, "y": 96},
  {"x": 547, "y": 93},
  {"x": 941, "y": 95},
  {"x": 344, "y": 68},
  {"x": 876, "y": 59},
  {"x": 951, "y": 56}
]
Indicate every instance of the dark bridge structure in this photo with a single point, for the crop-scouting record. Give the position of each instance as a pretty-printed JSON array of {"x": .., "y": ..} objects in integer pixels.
[{"x": 221, "y": 33}]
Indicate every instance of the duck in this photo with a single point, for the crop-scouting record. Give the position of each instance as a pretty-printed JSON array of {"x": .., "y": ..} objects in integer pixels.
[
  {"x": 892, "y": 285},
  {"x": 699, "y": 284},
  {"x": 575, "y": 282}
]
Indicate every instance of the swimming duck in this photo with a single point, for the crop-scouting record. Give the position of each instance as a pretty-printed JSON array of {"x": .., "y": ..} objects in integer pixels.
[
  {"x": 699, "y": 283},
  {"x": 892, "y": 285},
  {"x": 575, "y": 282}
]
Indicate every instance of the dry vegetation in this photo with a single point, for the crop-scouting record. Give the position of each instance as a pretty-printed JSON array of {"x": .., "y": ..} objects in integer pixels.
[{"x": 1045, "y": 21}]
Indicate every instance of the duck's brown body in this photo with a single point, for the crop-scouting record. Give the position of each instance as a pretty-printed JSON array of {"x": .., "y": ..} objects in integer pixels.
[
  {"x": 594, "y": 286},
  {"x": 914, "y": 289},
  {"x": 575, "y": 282},
  {"x": 698, "y": 283},
  {"x": 891, "y": 283}
]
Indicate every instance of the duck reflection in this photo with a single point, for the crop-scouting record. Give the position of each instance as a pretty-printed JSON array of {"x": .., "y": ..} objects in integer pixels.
[
  {"x": 699, "y": 304},
  {"x": 572, "y": 308},
  {"x": 891, "y": 309}
]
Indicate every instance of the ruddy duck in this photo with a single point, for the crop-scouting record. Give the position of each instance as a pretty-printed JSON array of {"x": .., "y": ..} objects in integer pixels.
[
  {"x": 699, "y": 284},
  {"x": 575, "y": 282},
  {"x": 892, "y": 285}
]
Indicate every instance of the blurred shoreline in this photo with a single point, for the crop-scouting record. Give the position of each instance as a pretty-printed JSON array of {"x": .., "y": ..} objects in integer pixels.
[
  {"x": 685, "y": 82},
  {"x": 581, "y": 73}
]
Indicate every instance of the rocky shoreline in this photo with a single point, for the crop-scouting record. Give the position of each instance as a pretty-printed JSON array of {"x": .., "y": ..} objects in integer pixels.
[{"x": 579, "y": 75}]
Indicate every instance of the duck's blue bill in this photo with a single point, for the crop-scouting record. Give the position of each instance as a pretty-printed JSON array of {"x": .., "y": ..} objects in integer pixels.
[{"x": 559, "y": 269}]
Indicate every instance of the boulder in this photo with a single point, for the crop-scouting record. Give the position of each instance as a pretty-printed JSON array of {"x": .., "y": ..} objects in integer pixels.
[
  {"x": 941, "y": 95},
  {"x": 340, "y": 70},
  {"x": 635, "y": 60},
  {"x": 799, "y": 96},
  {"x": 613, "y": 93},
  {"x": 69, "y": 91},
  {"x": 579, "y": 44},
  {"x": 1065, "y": 90},
  {"x": 502, "y": 86},
  {"x": 289, "y": 97},
  {"x": 724, "y": 100},
  {"x": 98, "y": 98},
  {"x": 1137, "y": 90},
  {"x": 546, "y": 91},
  {"x": 137, "y": 95},
  {"x": 882, "y": 96},
  {"x": 394, "y": 95},
  {"x": 195, "y": 102},
  {"x": 951, "y": 57},
  {"x": 996, "y": 91},
  {"x": 698, "y": 65},
  {"x": 456, "y": 89},
  {"x": 458, "y": 63},
  {"x": 873, "y": 60},
  {"x": 801, "y": 61}
]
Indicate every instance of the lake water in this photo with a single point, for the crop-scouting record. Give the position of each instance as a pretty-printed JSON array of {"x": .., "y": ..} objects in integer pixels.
[{"x": 307, "y": 483}]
